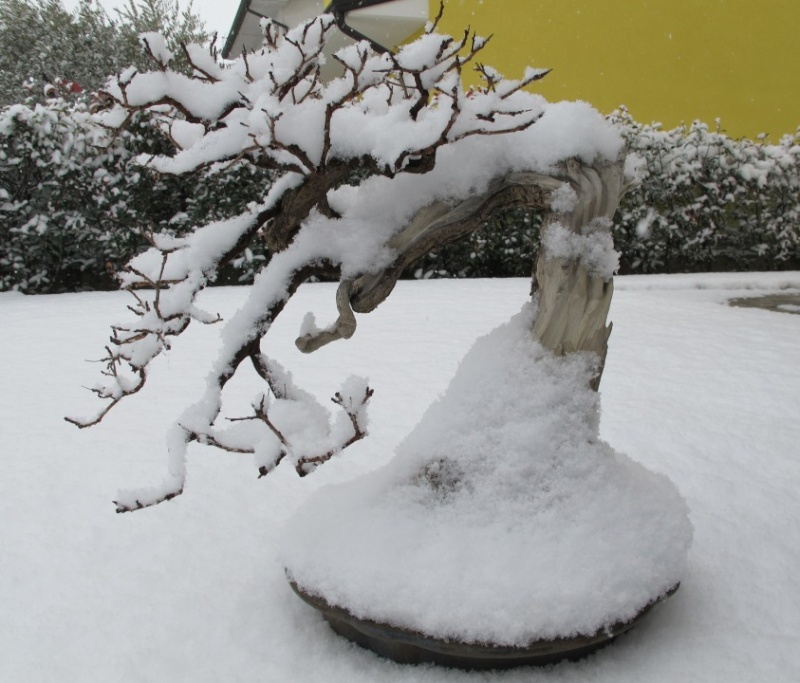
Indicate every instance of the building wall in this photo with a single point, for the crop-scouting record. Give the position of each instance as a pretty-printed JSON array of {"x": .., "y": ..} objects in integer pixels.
[{"x": 671, "y": 61}]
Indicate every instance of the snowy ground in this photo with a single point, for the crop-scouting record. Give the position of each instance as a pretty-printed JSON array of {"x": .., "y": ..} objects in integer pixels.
[{"x": 191, "y": 591}]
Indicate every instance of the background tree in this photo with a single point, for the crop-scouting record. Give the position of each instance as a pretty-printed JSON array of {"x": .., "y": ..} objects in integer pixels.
[
  {"x": 42, "y": 43},
  {"x": 74, "y": 205},
  {"x": 178, "y": 25}
]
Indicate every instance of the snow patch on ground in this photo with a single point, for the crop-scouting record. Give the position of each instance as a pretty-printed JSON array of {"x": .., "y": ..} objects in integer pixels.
[{"x": 702, "y": 392}]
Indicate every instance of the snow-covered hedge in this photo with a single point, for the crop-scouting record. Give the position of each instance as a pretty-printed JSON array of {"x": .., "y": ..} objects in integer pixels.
[
  {"x": 704, "y": 201},
  {"x": 707, "y": 201},
  {"x": 67, "y": 203},
  {"x": 75, "y": 207}
]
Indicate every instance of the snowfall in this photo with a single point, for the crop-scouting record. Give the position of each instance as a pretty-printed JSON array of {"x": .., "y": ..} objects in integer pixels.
[{"x": 194, "y": 590}]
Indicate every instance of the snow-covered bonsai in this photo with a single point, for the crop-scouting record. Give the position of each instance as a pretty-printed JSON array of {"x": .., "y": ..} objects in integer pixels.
[
  {"x": 385, "y": 119},
  {"x": 504, "y": 493}
]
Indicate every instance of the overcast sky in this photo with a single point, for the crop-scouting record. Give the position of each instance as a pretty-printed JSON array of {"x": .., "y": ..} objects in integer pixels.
[{"x": 217, "y": 14}]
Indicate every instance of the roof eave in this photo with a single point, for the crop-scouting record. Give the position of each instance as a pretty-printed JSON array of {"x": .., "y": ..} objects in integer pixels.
[{"x": 241, "y": 13}]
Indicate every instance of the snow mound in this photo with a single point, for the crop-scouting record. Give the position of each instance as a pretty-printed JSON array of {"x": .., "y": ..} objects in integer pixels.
[{"x": 503, "y": 518}]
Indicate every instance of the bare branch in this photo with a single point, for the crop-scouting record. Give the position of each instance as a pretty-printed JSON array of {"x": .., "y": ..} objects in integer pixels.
[
  {"x": 296, "y": 151},
  {"x": 141, "y": 506},
  {"x": 83, "y": 424},
  {"x": 308, "y": 464},
  {"x": 204, "y": 75},
  {"x": 264, "y": 470},
  {"x": 533, "y": 76},
  {"x": 431, "y": 28},
  {"x": 247, "y": 73},
  {"x": 148, "y": 48},
  {"x": 261, "y": 414},
  {"x": 275, "y": 98}
]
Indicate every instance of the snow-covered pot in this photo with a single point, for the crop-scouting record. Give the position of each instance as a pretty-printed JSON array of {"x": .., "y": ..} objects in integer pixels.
[
  {"x": 504, "y": 519},
  {"x": 505, "y": 531},
  {"x": 412, "y": 647}
]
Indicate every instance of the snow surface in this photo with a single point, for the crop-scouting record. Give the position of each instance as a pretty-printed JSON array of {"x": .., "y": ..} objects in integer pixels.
[{"x": 192, "y": 590}]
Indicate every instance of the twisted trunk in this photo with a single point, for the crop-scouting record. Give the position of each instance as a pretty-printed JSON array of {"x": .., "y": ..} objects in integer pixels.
[
  {"x": 574, "y": 298},
  {"x": 574, "y": 294}
]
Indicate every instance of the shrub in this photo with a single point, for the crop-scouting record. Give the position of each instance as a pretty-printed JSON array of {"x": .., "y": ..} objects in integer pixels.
[
  {"x": 75, "y": 206},
  {"x": 65, "y": 200},
  {"x": 43, "y": 44},
  {"x": 705, "y": 201}
]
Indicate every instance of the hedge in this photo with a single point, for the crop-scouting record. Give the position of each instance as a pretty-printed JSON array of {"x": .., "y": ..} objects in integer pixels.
[{"x": 75, "y": 206}]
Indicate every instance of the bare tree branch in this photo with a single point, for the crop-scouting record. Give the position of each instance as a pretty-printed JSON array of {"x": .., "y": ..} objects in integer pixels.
[
  {"x": 308, "y": 464},
  {"x": 141, "y": 506},
  {"x": 261, "y": 110}
]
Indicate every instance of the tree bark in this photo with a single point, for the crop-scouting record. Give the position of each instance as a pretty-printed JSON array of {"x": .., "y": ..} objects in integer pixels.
[
  {"x": 574, "y": 301},
  {"x": 574, "y": 298}
]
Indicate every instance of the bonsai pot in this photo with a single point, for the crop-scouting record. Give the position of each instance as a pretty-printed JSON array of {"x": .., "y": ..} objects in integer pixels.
[
  {"x": 411, "y": 647},
  {"x": 504, "y": 532}
]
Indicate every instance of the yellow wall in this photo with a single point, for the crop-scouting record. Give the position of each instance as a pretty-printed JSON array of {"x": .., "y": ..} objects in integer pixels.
[{"x": 667, "y": 60}]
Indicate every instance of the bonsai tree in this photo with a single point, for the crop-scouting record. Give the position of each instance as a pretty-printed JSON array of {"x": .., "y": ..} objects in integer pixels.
[
  {"x": 373, "y": 169},
  {"x": 386, "y": 117}
]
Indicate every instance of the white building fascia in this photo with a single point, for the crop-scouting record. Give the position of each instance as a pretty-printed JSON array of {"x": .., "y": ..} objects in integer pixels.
[{"x": 385, "y": 23}]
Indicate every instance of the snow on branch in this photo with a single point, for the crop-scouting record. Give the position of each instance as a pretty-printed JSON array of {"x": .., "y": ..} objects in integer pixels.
[{"x": 355, "y": 158}]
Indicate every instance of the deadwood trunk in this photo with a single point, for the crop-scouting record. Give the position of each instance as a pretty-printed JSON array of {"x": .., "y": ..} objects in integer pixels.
[
  {"x": 574, "y": 299},
  {"x": 573, "y": 295}
]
